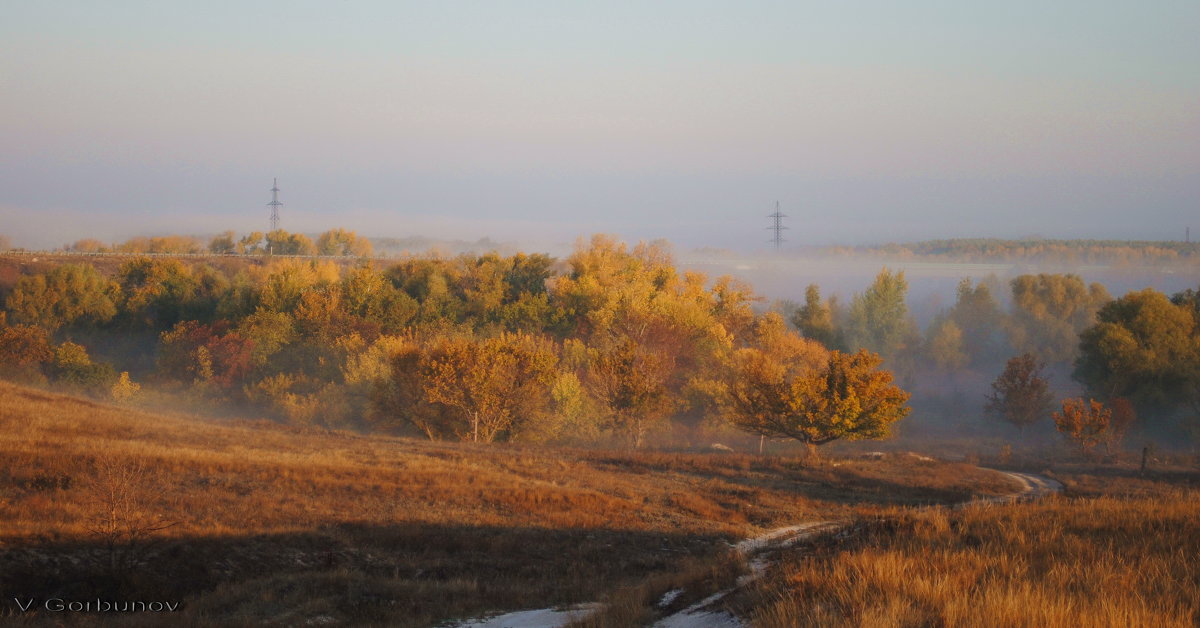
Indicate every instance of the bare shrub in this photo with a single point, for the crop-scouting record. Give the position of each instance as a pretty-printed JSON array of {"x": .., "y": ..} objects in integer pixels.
[{"x": 124, "y": 518}]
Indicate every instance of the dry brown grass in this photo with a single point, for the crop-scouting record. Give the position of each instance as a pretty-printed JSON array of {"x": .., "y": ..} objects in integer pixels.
[
  {"x": 1097, "y": 561},
  {"x": 274, "y": 524}
]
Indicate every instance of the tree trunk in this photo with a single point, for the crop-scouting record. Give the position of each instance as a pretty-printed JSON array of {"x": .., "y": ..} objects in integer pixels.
[{"x": 813, "y": 453}]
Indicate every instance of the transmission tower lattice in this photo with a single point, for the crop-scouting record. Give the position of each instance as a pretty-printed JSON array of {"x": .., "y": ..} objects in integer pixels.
[
  {"x": 274, "y": 204},
  {"x": 778, "y": 227}
]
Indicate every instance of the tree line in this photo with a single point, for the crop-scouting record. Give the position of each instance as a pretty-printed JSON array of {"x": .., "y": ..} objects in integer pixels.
[
  {"x": 1038, "y": 250},
  {"x": 614, "y": 342},
  {"x": 335, "y": 242}
]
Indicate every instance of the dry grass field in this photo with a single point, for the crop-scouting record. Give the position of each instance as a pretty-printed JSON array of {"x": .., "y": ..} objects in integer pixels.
[
  {"x": 1116, "y": 549},
  {"x": 250, "y": 522}
]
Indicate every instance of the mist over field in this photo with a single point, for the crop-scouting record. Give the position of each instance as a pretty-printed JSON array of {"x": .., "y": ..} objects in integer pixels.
[{"x": 669, "y": 314}]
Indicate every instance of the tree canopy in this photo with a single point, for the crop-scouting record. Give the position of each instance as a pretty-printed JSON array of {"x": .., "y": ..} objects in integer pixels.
[{"x": 848, "y": 397}]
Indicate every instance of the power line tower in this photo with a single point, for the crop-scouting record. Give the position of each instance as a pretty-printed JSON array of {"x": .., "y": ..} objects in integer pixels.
[
  {"x": 274, "y": 204},
  {"x": 777, "y": 227}
]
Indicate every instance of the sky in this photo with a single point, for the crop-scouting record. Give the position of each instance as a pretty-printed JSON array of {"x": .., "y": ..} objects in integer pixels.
[{"x": 538, "y": 122}]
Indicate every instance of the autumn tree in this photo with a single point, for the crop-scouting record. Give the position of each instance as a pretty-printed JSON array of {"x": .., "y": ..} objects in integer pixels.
[
  {"x": 368, "y": 294},
  {"x": 280, "y": 242},
  {"x": 65, "y": 295},
  {"x": 73, "y": 368},
  {"x": 23, "y": 351},
  {"x": 398, "y": 399},
  {"x": 1020, "y": 395},
  {"x": 1049, "y": 312},
  {"x": 165, "y": 245},
  {"x": 630, "y": 383},
  {"x": 251, "y": 243},
  {"x": 286, "y": 281},
  {"x": 343, "y": 242},
  {"x": 945, "y": 345},
  {"x": 496, "y": 384},
  {"x": 205, "y": 354},
  {"x": 847, "y": 397},
  {"x": 1086, "y": 423},
  {"x": 158, "y": 293},
  {"x": 88, "y": 245},
  {"x": 223, "y": 244}
]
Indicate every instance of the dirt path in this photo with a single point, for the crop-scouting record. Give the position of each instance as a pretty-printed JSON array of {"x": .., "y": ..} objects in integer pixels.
[{"x": 701, "y": 614}]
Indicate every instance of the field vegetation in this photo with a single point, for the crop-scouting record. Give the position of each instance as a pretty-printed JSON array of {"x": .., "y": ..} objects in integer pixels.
[
  {"x": 251, "y": 521},
  {"x": 1116, "y": 549}
]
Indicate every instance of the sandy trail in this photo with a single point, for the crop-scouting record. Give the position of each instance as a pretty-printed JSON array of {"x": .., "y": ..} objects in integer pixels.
[{"x": 701, "y": 614}]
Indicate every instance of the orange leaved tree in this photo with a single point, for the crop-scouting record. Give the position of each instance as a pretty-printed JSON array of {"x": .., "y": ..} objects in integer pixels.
[
  {"x": 847, "y": 397},
  {"x": 1087, "y": 423}
]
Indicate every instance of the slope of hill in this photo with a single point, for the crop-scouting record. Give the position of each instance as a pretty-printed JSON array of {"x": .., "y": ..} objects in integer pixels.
[{"x": 250, "y": 521}]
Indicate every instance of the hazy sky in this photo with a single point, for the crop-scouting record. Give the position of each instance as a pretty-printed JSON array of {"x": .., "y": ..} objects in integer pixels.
[{"x": 539, "y": 121}]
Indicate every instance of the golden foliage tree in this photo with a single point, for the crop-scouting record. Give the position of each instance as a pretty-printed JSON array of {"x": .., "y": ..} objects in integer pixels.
[
  {"x": 23, "y": 351},
  {"x": 497, "y": 384},
  {"x": 630, "y": 382},
  {"x": 847, "y": 397},
  {"x": 1049, "y": 311},
  {"x": 343, "y": 242},
  {"x": 63, "y": 296}
]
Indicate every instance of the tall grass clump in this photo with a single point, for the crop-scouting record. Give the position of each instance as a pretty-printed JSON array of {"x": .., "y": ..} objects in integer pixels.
[{"x": 1099, "y": 561}]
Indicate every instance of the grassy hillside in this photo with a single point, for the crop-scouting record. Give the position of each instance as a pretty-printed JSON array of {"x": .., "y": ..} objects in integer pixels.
[
  {"x": 1118, "y": 549},
  {"x": 252, "y": 522}
]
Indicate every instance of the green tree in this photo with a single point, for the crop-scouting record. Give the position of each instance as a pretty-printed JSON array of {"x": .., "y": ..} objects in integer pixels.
[
  {"x": 1145, "y": 348},
  {"x": 73, "y": 368},
  {"x": 878, "y": 318},
  {"x": 978, "y": 316},
  {"x": 1020, "y": 395},
  {"x": 369, "y": 294},
  {"x": 815, "y": 319},
  {"x": 158, "y": 293}
]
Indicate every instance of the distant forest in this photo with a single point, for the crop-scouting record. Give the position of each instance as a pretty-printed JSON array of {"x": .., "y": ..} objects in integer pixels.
[
  {"x": 611, "y": 344},
  {"x": 983, "y": 250},
  {"x": 962, "y": 250}
]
